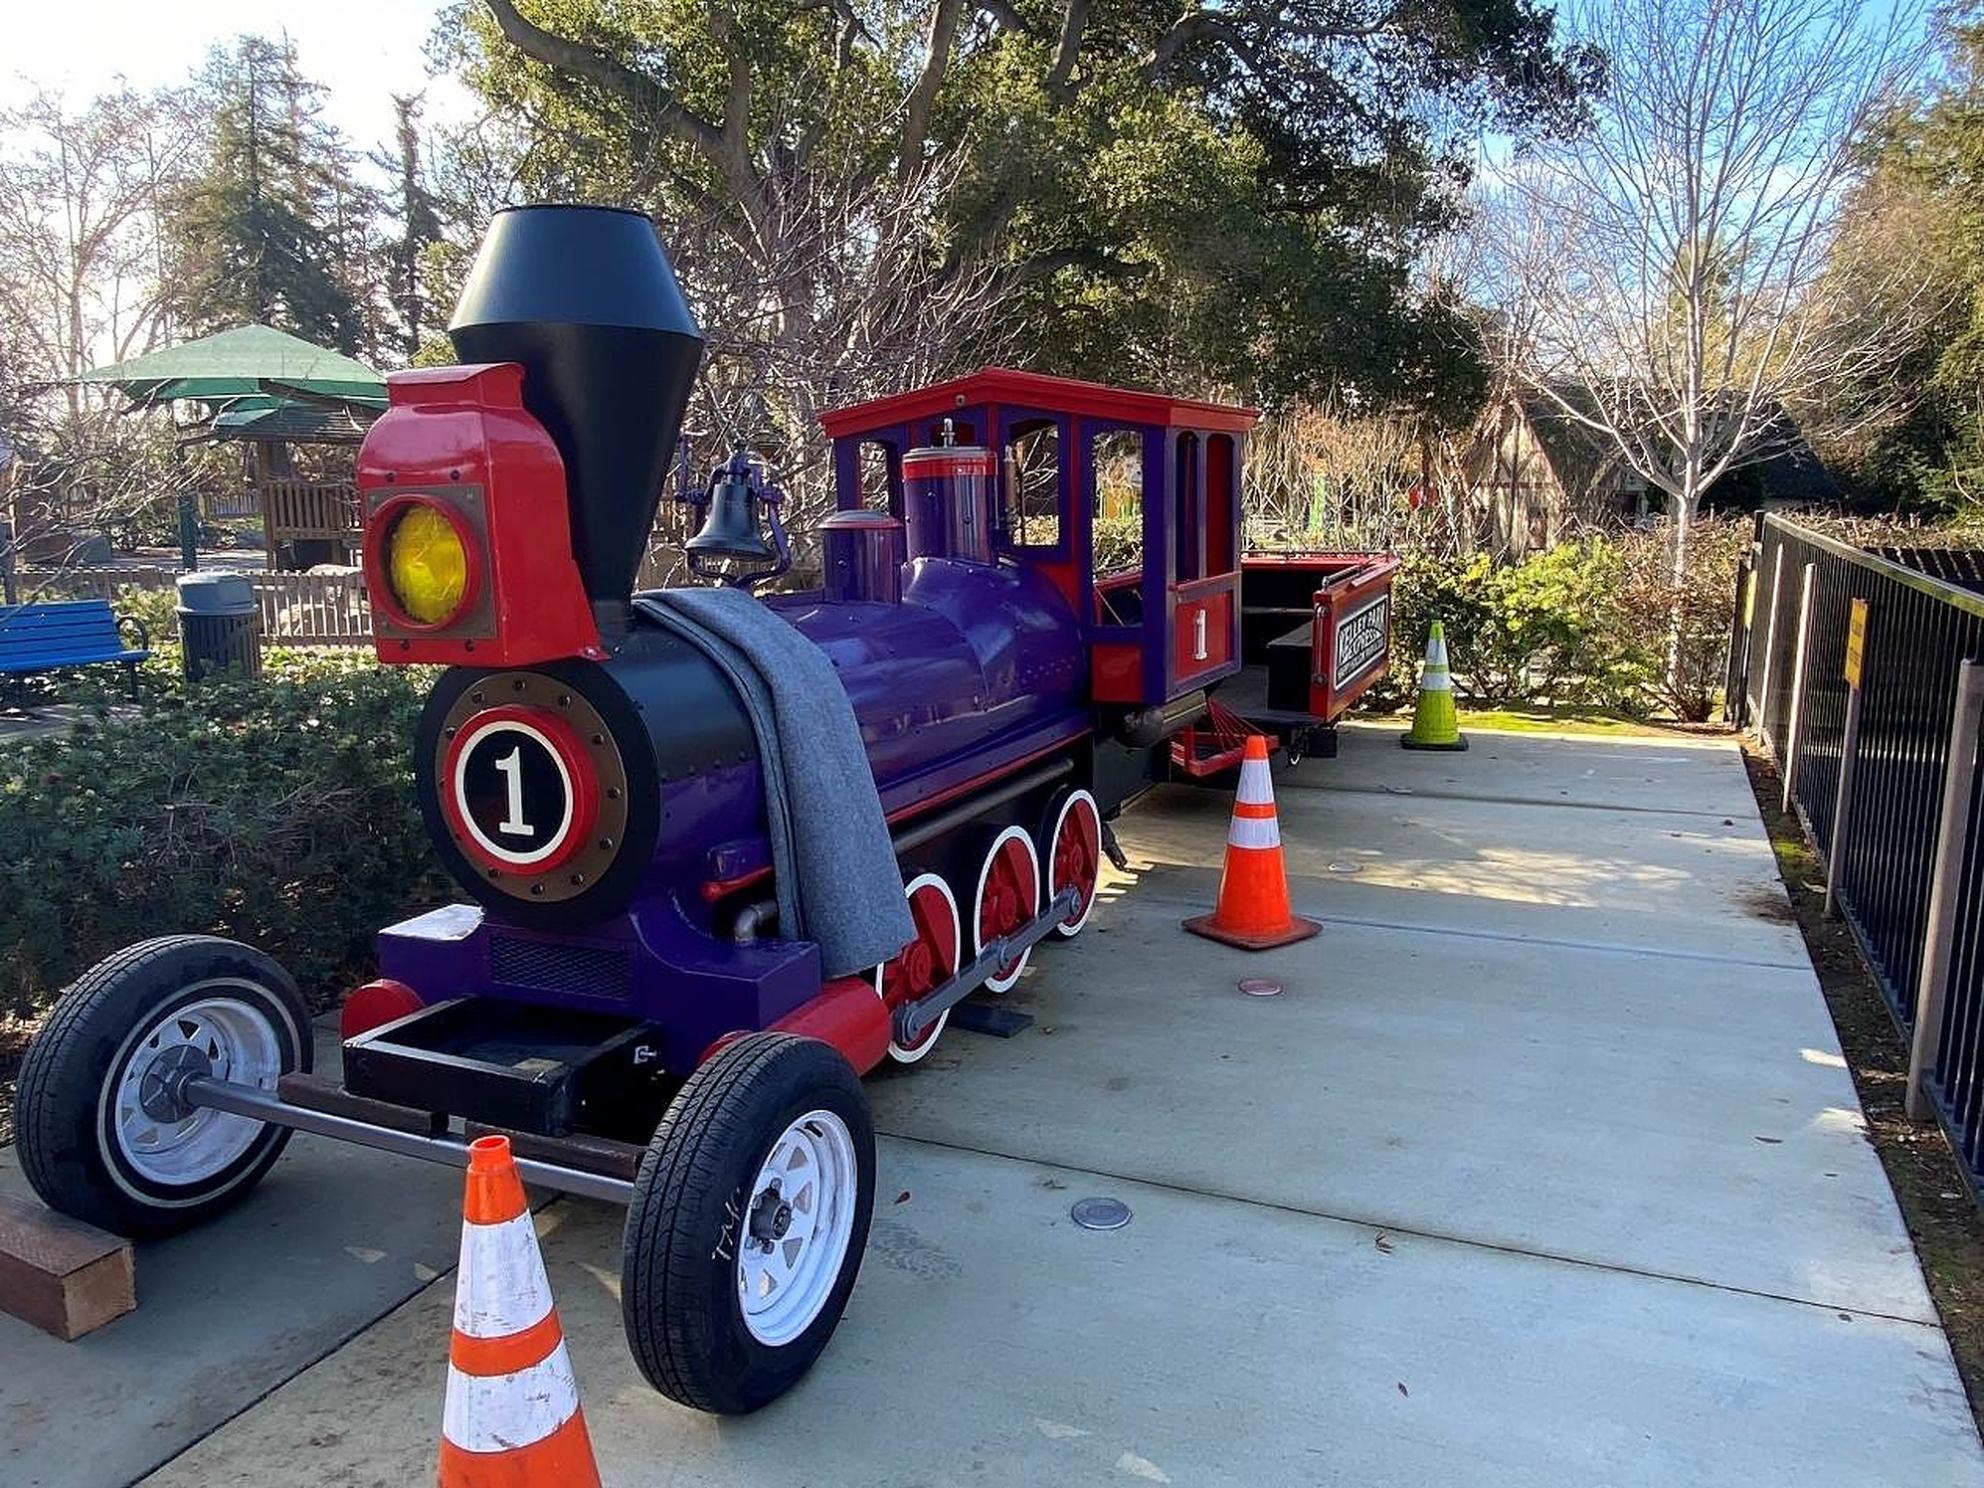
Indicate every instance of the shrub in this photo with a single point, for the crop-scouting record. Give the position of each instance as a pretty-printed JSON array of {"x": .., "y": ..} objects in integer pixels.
[
  {"x": 280, "y": 813},
  {"x": 1544, "y": 630},
  {"x": 1585, "y": 625},
  {"x": 1700, "y": 642}
]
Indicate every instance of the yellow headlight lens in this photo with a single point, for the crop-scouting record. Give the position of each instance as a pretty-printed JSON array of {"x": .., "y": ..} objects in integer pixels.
[{"x": 426, "y": 565}]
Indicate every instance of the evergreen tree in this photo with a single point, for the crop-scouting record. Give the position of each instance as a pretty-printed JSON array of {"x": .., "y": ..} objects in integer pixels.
[
  {"x": 414, "y": 211},
  {"x": 276, "y": 227}
]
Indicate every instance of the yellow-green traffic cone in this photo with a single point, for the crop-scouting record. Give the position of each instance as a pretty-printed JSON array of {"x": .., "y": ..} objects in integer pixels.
[{"x": 1434, "y": 725}]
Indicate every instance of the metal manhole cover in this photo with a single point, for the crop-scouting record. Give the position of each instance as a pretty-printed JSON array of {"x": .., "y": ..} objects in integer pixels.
[{"x": 1100, "y": 1214}]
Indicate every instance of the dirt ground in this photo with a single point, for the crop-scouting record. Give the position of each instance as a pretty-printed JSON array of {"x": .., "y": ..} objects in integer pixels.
[{"x": 1942, "y": 1215}]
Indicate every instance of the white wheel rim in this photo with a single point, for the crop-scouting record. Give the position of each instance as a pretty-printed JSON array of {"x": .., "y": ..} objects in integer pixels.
[
  {"x": 1069, "y": 932},
  {"x": 922, "y": 881},
  {"x": 786, "y": 1271},
  {"x": 238, "y": 1043},
  {"x": 1002, "y": 983}
]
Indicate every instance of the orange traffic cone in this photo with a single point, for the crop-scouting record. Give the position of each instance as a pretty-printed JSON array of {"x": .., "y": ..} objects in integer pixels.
[
  {"x": 1253, "y": 911},
  {"x": 512, "y": 1418}
]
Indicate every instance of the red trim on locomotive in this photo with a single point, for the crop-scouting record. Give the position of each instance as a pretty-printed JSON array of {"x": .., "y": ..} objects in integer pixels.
[
  {"x": 1199, "y": 651},
  {"x": 1005, "y": 386},
  {"x": 846, "y": 1014},
  {"x": 461, "y": 438},
  {"x": 376, "y": 1004},
  {"x": 1116, "y": 672},
  {"x": 941, "y": 463},
  {"x": 714, "y": 890}
]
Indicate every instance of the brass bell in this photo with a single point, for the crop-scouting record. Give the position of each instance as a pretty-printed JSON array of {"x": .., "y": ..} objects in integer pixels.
[{"x": 731, "y": 528}]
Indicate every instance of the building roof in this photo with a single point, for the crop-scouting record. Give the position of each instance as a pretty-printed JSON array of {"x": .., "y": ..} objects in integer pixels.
[{"x": 1583, "y": 457}]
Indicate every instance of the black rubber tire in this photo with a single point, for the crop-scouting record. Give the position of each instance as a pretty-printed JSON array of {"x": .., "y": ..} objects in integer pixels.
[
  {"x": 62, "y": 1121},
  {"x": 678, "y": 1269}
]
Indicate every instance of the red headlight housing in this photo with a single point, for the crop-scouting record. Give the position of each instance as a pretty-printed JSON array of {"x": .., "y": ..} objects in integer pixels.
[{"x": 468, "y": 538}]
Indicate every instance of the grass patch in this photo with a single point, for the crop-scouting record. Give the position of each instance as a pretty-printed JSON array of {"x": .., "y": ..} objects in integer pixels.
[{"x": 1547, "y": 719}]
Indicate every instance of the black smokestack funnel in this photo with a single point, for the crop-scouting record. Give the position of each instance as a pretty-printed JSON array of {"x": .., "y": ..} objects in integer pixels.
[{"x": 584, "y": 298}]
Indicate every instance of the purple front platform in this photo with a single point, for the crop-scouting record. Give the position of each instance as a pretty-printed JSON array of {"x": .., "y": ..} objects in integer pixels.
[{"x": 649, "y": 964}]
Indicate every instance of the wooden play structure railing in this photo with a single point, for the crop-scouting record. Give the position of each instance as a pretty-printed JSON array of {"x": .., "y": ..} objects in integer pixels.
[{"x": 307, "y": 509}]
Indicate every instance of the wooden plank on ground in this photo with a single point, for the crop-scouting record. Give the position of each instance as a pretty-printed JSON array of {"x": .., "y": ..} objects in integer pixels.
[{"x": 60, "y": 1274}]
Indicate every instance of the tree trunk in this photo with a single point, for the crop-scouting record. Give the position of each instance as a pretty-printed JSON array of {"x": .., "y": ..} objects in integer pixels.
[{"x": 1686, "y": 504}]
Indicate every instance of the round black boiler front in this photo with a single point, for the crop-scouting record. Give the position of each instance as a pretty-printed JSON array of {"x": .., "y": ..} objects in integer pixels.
[{"x": 541, "y": 788}]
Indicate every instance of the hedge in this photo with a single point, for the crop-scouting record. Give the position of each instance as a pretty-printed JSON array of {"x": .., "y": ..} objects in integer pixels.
[
  {"x": 1584, "y": 625},
  {"x": 280, "y": 813}
]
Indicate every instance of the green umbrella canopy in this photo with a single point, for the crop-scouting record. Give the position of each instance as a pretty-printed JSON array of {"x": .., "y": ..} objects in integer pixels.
[{"x": 249, "y": 361}]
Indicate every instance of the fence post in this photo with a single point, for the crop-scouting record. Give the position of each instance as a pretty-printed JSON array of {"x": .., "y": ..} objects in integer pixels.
[
  {"x": 1736, "y": 673},
  {"x": 1924, "y": 1046},
  {"x": 1770, "y": 646},
  {"x": 1849, "y": 750},
  {"x": 1794, "y": 713}
]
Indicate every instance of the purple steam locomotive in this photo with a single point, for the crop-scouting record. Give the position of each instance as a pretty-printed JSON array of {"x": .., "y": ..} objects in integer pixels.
[{"x": 665, "y": 988}]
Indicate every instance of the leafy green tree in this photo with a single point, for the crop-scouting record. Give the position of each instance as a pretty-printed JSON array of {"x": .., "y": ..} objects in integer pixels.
[
  {"x": 275, "y": 227},
  {"x": 1229, "y": 196},
  {"x": 1917, "y": 431}
]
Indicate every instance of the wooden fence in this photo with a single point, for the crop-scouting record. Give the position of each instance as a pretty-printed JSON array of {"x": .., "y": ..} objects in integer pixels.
[
  {"x": 314, "y": 609},
  {"x": 298, "y": 609}
]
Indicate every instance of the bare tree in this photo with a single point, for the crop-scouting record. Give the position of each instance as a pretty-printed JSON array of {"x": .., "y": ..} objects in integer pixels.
[
  {"x": 1667, "y": 277},
  {"x": 841, "y": 299},
  {"x": 1331, "y": 477},
  {"x": 81, "y": 283},
  {"x": 80, "y": 193}
]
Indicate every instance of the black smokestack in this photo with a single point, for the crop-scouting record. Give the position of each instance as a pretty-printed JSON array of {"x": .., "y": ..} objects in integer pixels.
[{"x": 584, "y": 298}]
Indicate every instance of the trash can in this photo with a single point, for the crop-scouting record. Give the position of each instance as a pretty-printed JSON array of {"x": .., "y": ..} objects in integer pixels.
[{"x": 220, "y": 625}]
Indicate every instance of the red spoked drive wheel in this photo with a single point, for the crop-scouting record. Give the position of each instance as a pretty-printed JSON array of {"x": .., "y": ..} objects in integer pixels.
[
  {"x": 926, "y": 962},
  {"x": 1074, "y": 856},
  {"x": 1008, "y": 896}
]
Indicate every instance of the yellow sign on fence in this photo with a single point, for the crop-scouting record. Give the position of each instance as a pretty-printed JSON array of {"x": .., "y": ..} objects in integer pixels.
[{"x": 1856, "y": 641}]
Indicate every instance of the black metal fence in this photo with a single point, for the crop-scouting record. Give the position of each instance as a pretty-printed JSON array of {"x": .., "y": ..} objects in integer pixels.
[{"x": 1789, "y": 686}]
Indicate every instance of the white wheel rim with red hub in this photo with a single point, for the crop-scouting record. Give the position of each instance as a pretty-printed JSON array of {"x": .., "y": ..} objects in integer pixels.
[
  {"x": 1074, "y": 856},
  {"x": 1008, "y": 897},
  {"x": 926, "y": 962}
]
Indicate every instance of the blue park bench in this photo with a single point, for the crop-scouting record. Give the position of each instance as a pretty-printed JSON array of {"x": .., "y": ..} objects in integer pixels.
[{"x": 67, "y": 633}]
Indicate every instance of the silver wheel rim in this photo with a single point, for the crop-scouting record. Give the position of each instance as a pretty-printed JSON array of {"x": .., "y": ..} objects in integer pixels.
[
  {"x": 797, "y": 1224},
  {"x": 159, "y": 1138}
]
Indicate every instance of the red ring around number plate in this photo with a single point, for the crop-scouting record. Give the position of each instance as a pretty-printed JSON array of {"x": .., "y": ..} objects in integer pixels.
[{"x": 571, "y": 752}]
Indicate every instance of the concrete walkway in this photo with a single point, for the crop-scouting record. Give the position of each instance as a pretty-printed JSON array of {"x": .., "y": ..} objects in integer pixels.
[{"x": 1544, "y": 1170}]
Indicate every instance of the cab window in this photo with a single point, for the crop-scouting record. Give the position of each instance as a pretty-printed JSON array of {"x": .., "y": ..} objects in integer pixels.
[{"x": 1031, "y": 486}]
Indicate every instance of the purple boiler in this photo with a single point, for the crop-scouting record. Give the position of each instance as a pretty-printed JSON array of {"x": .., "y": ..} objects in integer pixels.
[{"x": 976, "y": 670}]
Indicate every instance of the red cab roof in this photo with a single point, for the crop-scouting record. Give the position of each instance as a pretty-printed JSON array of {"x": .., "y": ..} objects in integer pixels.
[{"x": 1004, "y": 386}]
